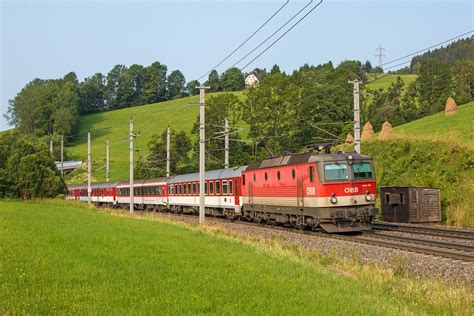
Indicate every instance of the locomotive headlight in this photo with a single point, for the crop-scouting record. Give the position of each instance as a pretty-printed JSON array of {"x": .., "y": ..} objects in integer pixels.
[
  {"x": 350, "y": 157},
  {"x": 333, "y": 200},
  {"x": 368, "y": 198}
]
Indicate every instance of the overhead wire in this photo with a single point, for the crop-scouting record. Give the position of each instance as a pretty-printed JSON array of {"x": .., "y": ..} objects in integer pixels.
[
  {"x": 271, "y": 35},
  {"x": 279, "y": 38},
  {"x": 245, "y": 41}
]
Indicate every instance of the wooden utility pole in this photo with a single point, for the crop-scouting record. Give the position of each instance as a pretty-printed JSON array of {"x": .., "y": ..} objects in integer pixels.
[{"x": 356, "y": 115}]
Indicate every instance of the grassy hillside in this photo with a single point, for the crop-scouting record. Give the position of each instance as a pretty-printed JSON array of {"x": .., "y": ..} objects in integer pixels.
[
  {"x": 447, "y": 166},
  {"x": 458, "y": 128},
  {"x": 64, "y": 258},
  {"x": 148, "y": 120},
  {"x": 385, "y": 81}
]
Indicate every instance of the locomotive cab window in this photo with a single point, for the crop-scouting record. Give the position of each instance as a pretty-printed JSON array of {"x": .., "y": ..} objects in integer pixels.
[
  {"x": 336, "y": 171},
  {"x": 362, "y": 170}
]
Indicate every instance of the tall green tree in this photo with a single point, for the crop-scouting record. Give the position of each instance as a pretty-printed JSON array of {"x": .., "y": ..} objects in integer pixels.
[
  {"x": 214, "y": 81},
  {"x": 176, "y": 82},
  {"x": 434, "y": 82},
  {"x": 92, "y": 94},
  {"x": 463, "y": 75},
  {"x": 218, "y": 107},
  {"x": 155, "y": 83},
  {"x": 232, "y": 80},
  {"x": 154, "y": 164},
  {"x": 191, "y": 87},
  {"x": 27, "y": 168}
]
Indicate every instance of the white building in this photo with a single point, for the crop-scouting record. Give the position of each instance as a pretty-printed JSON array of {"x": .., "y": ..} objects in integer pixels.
[{"x": 252, "y": 79}]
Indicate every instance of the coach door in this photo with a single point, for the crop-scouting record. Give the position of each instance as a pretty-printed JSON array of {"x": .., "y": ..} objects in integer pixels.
[
  {"x": 299, "y": 192},
  {"x": 250, "y": 192}
]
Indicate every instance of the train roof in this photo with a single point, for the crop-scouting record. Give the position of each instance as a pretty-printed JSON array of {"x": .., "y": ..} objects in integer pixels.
[
  {"x": 142, "y": 182},
  {"x": 210, "y": 175},
  {"x": 304, "y": 158},
  {"x": 94, "y": 185}
]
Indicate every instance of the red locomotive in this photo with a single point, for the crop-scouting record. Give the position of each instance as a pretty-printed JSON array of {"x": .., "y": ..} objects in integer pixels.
[{"x": 334, "y": 192}]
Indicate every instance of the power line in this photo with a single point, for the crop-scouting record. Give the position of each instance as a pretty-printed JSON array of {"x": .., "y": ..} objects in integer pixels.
[
  {"x": 422, "y": 50},
  {"x": 269, "y": 37},
  {"x": 274, "y": 42},
  {"x": 243, "y": 43}
]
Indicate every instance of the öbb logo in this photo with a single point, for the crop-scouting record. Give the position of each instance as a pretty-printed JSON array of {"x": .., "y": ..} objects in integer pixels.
[{"x": 351, "y": 190}]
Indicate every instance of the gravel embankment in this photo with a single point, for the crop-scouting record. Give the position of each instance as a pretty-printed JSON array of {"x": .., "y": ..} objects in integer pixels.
[{"x": 414, "y": 263}]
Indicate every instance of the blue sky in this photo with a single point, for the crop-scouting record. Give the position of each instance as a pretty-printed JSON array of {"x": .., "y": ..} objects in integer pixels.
[{"x": 47, "y": 39}]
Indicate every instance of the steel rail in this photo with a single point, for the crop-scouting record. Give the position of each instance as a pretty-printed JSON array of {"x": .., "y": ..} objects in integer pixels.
[{"x": 431, "y": 231}]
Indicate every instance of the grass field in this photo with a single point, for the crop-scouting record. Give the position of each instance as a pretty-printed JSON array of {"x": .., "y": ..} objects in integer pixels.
[
  {"x": 458, "y": 128},
  {"x": 64, "y": 258},
  {"x": 384, "y": 81},
  {"x": 148, "y": 120}
]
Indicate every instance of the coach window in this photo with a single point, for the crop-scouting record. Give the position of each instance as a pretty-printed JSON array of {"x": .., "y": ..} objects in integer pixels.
[
  {"x": 194, "y": 188},
  {"x": 205, "y": 187},
  {"x": 218, "y": 187},
  {"x": 278, "y": 175},
  {"x": 293, "y": 173},
  {"x": 266, "y": 176},
  {"x": 185, "y": 189},
  {"x": 211, "y": 187},
  {"x": 311, "y": 174},
  {"x": 224, "y": 187},
  {"x": 230, "y": 186},
  {"x": 189, "y": 188}
]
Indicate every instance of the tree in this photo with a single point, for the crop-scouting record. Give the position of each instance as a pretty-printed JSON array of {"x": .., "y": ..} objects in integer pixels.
[
  {"x": 35, "y": 108},
  {"x": 27, "y": 168},
  {"x": 155, "y": 83},
  {"x": 232, "y": 80},
  {"x": 213, "y": 81},
  {"x": 191, "y": 87},
  {"x": 176, "y": 82},
  {"x": 92, "y": 94},
  {"x": 275, "y": 70},
  {"x": 155, "y": 163},
  {"x": 218, "y": 107},
  {"x": 434, "y": 86},
  {"x": 367, "y": 66},
  {"x": 463, "y": 75},
  {"x": 112, "y": 88}
]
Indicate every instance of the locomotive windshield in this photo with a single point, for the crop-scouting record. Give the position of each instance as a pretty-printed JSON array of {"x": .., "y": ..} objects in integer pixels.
[
  {"x": 336, "y": 171},
  {"x": 362, "y": 170}
]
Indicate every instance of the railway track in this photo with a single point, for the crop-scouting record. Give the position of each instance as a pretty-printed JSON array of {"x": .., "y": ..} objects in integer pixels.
[
  {"x": 423, "y": 230},
  {"x": 417, "y": 245}
]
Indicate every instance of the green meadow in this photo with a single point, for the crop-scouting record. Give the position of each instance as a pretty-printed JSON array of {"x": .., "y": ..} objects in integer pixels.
[
  {"x": 384, "y": 81},
  {"x": 65, "y": 258},
  {"x": 458, "y": 128},
  {"x": 179, "y": 114}
]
